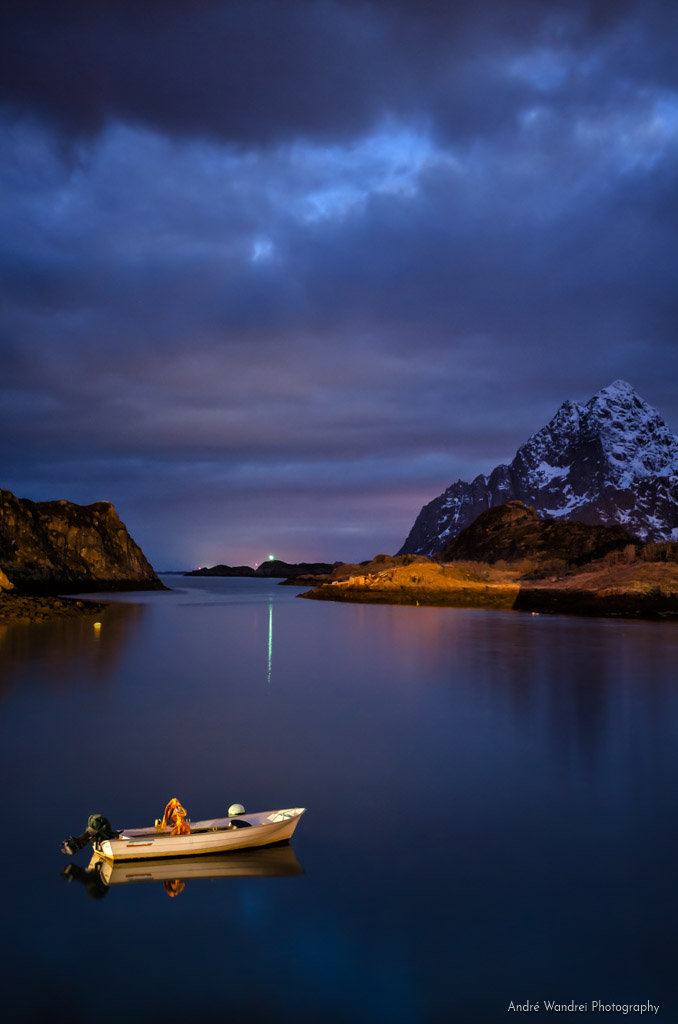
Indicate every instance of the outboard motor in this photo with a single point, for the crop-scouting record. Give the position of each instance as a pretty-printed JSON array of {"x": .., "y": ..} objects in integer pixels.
[
  {"x": 233, "y": 811},
  {"x": 98, "y": 827}
]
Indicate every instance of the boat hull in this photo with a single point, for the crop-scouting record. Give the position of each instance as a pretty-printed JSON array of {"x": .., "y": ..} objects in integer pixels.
[
  {"x": 272, "y": 861},
  {"x": 216, "y": 835}
]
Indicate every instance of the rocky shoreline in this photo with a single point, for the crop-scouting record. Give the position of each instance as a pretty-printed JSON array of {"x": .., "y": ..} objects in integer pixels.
[
  {"x": 22, "y": 608},
  {"x": 509, "y": 558},
  {"x": 649, "y": 591}
]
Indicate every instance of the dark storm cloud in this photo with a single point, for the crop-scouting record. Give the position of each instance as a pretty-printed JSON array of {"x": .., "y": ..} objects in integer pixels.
[
  {"x": 244, "y": 71},
  {"x": 258, "y": 71},
  {"x": 286, "y": 270}
]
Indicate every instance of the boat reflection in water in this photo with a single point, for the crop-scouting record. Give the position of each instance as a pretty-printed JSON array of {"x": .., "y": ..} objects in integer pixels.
[{"x": 175, "y": 872}]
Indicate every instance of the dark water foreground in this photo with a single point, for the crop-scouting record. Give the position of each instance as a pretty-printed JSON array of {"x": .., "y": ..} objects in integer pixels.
[{"x": 492, "y": 812}]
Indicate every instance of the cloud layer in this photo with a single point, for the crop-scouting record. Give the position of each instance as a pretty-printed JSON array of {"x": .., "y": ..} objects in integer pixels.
[{"x": 275, "y": 274}]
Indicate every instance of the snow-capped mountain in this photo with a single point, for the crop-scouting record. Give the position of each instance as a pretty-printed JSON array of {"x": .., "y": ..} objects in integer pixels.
[{"x": 613, "y": 460}]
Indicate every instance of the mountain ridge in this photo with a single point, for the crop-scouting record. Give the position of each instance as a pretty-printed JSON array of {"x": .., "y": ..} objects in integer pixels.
[{"x": 611, "y": 460}]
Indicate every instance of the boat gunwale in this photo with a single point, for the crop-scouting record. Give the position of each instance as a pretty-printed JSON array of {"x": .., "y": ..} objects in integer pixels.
[{"x": 203, "y": 853}]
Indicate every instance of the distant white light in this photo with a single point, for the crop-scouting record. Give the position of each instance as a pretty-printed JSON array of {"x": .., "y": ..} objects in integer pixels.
[{"x": 271, "y": 558}]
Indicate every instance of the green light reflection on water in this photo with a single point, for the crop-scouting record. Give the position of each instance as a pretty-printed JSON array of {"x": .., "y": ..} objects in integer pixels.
[{"x": 270, "y": 642}]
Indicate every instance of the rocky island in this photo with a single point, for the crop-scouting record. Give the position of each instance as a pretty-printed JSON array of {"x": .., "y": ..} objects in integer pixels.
[
  {"x": 273, "y": 568},
  {"x": 58, "y": 547}
]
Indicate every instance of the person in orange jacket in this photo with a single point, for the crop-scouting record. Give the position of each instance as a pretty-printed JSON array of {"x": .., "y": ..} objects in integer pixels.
[{"x": 177, "y": 815}]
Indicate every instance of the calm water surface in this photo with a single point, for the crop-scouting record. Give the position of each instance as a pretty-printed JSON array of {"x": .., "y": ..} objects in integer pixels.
[{"x": 491, "y": 809}]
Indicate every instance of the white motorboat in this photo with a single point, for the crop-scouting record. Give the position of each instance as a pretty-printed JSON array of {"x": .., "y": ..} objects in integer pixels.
[
  {"x": 188, "y": 838},
  {"x": 213, "y": 835}
]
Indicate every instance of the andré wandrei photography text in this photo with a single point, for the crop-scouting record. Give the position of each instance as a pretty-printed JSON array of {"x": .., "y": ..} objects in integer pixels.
[{"x": 595, "y": 1006}]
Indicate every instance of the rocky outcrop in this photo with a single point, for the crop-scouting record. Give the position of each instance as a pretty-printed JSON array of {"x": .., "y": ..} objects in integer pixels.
[
  {"x": 513, "y": 532},
  {"x": 57, "y": 546},
  {"x": 345, "y": 570},
  {"x": 276, "y": 569},
  {"x": 613, "y": 460},
  {"x": 424, "y": 583},
  {"x": 640, "y": 581},
  {"x": 636, "y": 590}
]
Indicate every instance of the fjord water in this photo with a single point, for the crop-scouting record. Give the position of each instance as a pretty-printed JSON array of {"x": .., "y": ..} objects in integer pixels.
[{"x": 491, "y": 809}]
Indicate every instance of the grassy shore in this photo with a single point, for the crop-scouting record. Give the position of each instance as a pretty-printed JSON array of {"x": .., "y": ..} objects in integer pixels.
[
  {"x": 462, "y": 584},
  {"x": 638, "y": 590}
]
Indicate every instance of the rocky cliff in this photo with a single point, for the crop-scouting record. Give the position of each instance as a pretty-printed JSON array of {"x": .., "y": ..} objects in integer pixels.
[
  {"x": 57, "y": 546},
  {"x": 612, "y": 460},
  {"x": 513, "y": 532}
]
